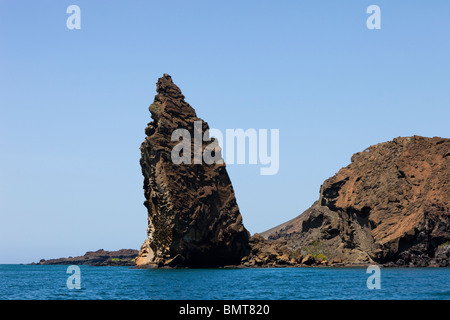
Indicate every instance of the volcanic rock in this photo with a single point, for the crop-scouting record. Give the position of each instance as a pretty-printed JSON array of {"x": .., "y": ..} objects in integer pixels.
[
  {"x": 391, "y": 204},
  {"x": 122, "y": 257},
  {"x": 308, "y": 260},
  {"x": 442, "y": 256},
  {"x": 193, "y": 216},
  {"x": 266, "y": 253}
]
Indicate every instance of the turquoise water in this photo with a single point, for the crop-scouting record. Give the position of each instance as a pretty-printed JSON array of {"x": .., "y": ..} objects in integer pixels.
[{"x": 50, "y": 282}]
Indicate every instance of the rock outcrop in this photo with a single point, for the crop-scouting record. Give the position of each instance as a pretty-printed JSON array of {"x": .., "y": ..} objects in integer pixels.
[
  {"x": 122, "y": 257},
  {"x": 391, "y": 205},
  {"x": 283, "y": 253},
  {"x": 193, "y": 216}
]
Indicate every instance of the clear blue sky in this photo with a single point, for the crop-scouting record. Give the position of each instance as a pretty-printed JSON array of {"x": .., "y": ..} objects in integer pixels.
[{"x": 74, "y": 103}]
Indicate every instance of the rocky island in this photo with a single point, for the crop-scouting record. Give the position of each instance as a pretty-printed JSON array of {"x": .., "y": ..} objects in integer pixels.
[
  {"x": 389, "y": 206},
  {"x": 123, "y": 257}
]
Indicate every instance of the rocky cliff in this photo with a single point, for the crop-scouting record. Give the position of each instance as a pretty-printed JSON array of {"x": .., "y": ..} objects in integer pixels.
[
  {"x": 390, "y": 205},
  {"x": 193, "y": 216}
]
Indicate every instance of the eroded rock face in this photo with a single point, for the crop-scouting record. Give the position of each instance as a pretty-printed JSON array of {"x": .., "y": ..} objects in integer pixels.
[
  {"x": 391, "y": 204},
  {"x": 193, "y": 217}
]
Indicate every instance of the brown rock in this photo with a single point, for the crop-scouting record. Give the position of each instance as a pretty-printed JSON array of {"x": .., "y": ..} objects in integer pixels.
[
  {"x": 391, "y": 204},
  {"x": 308, "y": 260},
  {"x": 336, "y": 260},
  {"x": 193, "y": 217},
  {"x": 283, "y": 260}
]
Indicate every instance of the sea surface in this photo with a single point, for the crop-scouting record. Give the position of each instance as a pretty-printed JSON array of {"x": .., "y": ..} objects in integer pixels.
[{"x": 51, "y": 283}]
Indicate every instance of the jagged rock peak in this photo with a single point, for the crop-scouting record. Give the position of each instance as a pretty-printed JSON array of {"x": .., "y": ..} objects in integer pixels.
[
  {"x": 169, "y": 103},
  {"x": 166, "y": 88},
  {"x": 193, "y": 216}
]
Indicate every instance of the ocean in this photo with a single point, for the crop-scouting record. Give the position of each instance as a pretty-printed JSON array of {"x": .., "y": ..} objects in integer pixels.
[{"x": 46, "y": 282}]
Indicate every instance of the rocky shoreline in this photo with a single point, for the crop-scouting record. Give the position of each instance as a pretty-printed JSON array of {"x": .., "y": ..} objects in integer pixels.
[
  {"x": 279, "y": 253},
  {"x": 122, "y": 257},
  {"x": 266, "y": 254}
]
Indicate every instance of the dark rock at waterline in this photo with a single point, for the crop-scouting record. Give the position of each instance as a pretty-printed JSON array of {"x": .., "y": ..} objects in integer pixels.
[{"x": 123, "y": 257}]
